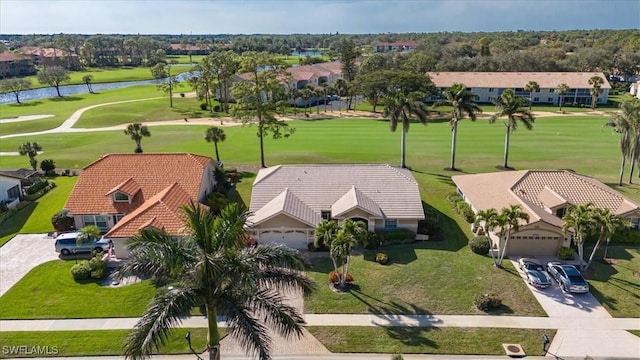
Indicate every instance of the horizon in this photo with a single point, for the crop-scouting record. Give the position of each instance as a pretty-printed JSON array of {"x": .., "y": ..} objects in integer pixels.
[{"x": 347, "y": 17}]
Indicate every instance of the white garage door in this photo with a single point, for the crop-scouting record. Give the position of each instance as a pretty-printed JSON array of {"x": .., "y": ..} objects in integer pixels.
[{"x": 295, "y": 239}]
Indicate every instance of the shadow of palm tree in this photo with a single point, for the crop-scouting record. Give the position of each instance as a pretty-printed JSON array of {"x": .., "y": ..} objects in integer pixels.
[{"x": 413, "y": 336}]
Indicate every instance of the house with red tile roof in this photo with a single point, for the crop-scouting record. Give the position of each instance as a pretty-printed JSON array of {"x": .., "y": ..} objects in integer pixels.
[
  {"x": 487, "y": 86},
  {"x": 125, "y": 193},
  {"x": 48, "y": 56},
  {"x": 381, "y": 47},
  {"x": 289, "y": 201},
  {"x": 15, "y": 65},
  {"x": 544, "y": 195}
]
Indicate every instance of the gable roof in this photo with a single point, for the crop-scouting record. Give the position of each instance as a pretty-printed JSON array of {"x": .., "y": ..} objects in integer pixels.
[
  {"x": 143, "y": 175},
  {"x": 538, "y": 191},
  {"x": 504, "y": 80},
  {"x": 376, "y": 188},
  {"x": 289, "y": 204},
  {"x": 22, "y": 174}
]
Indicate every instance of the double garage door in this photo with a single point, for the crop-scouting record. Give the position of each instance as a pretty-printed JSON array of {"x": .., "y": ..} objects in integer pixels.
[
  {"x": 295, "y": 239},
  {"x": 533, "y": 247}
]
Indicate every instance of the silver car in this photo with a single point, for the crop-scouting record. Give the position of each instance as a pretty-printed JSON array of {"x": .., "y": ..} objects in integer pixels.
[
  {"x": 534, "y": 271},
  {"x": 67, "y": 243},
  {"x": 568, "y": 277}
]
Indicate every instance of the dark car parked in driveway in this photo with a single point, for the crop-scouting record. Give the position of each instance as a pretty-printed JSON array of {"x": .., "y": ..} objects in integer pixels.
[{"x": 568, "y": 277}]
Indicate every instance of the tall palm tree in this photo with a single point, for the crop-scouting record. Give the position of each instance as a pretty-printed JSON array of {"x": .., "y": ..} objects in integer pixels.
[
  {"x": 350, "y": 234},
  {"x": 137, "y": 131},
  {"x": 581, "y": 219},
  {"x": 31, "y": 150},
  {"x": 489, "y": 220},
  {"x": 509, "y": 105},
  {"x": 324, "y": 235},
  {"x": 462, "y": 101},
  {"x": 531, "y": 87},
  {"x": 215, "y": 135},
  {"x": 400, "y": 108},
  {"x": 306, "y": 93},
  {"x": 607, "y": 224},
  {"x": 596, "y": 89},
  {"x": 626, "y": 123},
  {"x": 561, "y": 90},
  {"x": 510, "y": 219},
  {"x": 212, "y": 268}
]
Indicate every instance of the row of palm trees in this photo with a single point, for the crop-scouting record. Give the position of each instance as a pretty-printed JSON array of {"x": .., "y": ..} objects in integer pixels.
[
  {"x": 582, "y": 220},
  {"x": 627, "y": 123},
  {"x": 401, "y": 108}
]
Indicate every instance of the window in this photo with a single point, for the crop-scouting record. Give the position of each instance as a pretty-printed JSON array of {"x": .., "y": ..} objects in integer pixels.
[
  {"x": 549, "y": 99},
  {"x": 14, "y": 192},
  {"x": 560, "y": 212},
  {"x": 535, "y": 99},
  {"x": 390, "y": 223},
  {"x": 117, "y": 218},
  {"x": 97, "y": 220},
  {"x": 490, "y": 89},
  {"x": 325, "y": 214},
  {"x": 537, "y": 90},
  {"x": 120, "y": 197}
]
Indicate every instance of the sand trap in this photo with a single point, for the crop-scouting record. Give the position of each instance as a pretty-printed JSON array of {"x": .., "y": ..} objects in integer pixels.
[
  {"x": 14, "y": 153},
  {"x": 25, "y": 118}
]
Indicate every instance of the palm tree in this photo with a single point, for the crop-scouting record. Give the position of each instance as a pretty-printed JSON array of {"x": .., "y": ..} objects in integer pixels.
[
  {"x": 324, "y": 235},
  {"x": 31, "y": 150},
  {"x": 511, "y": 106},
  {"x": 489, "y": 220},
  {"x": 561, "y": 90},
  {"x": 510, "y": 219},
  {"x": 306, "y": 93},
  {"x": 627, "y": 124},
  {"x": 88, "y": 79},
  {"x": 531, "y": 87},
  {"x": 581, "y": 219},
  {"x": 607, "y": 223},
  {"x": 350, "y": 234},
  {"x": 137, "y": 131},
  {"x": 212, "y": 268},
  {"x": 400, "y": 107},
  {"x": 88, "y": 234},
  {"x": 596, "y": 89},
  {"x": 215, "y": 135},
  {"x": 462, "y": 101}
]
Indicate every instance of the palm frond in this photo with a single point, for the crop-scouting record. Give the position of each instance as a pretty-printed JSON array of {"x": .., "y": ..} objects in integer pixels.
[
  {"x": 157, "y": 323},
  {"x": 243, "y": 326},
  {"x": 285, "y": 319}
]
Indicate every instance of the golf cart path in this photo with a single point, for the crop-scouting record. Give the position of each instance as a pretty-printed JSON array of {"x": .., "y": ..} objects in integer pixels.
[{"x": 25, "y": 118}]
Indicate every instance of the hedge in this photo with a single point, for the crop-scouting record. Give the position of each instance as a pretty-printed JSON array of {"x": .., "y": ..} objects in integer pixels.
[{"x": 396, "y": 236}]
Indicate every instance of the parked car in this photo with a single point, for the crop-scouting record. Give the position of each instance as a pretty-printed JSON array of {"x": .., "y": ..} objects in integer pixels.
[
  {"x": 568, "y": 277},
  {"x": 67, "y": 243},
  {"x": 534, "y": 271}
]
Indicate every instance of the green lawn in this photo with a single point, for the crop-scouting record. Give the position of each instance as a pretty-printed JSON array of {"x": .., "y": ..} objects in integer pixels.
[
  {"x": 92, "y": 343},
  {"x": 184, "y": 59},
  {"x": 415, "y": 340},
  {"x": 617, "y": 287},
  {"x": 36, "y": 217},
  {"x": 635, "y": 332},
  {"x": 51, "y": 293}
]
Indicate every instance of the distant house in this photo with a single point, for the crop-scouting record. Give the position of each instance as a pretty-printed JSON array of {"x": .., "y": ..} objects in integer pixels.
[
  {"x": 490, "y": 85},
  {"x": 12, "y": 65},
  {"x": 12, "y": 184},
  {"x": 635, "y": 89},
  {"x": 288, "y": 201},
  {"x": 401, "y": 46},
  {"x": 43, "y": 56},
  {"x": 124, "y": 193},
  {"x": 545, "y": 196},
  {"x": 188, "y": 49}
]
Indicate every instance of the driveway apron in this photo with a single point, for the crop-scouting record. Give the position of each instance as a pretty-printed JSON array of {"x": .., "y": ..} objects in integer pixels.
[{"x": 21, "y": 254}]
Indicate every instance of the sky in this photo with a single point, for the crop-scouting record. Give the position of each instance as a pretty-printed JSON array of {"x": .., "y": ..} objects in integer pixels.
[{"x": 311, "y": 16}]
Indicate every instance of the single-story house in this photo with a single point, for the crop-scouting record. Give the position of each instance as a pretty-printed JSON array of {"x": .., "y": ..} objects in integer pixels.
[
  {"x": 13, "y": 183},
  {"x": 381, "y": 47},
  {"x": 125, "y": 193},
  {"x": 490, "y": 85},
  {"x": 289, "y": 201},
  {"x": 544, "y": 195}
]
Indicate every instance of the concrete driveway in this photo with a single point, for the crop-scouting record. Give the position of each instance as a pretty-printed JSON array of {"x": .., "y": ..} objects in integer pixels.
[
  {"x": 21, "y": 254},
  {"x": 575, "y": 339}
]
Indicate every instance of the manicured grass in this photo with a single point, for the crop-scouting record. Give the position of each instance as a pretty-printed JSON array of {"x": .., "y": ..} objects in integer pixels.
[
  {"x": 63, "y": 107},
  {"x": 152, "y": 110},
  {"x": 635, "y": 332},
  {"x": 617, "y": 287},
  {"x": 91, "y": 343},
  {"x": 415, "y": 340},
  {"x": 36, "y": 217},
  {"x": 184, "y": 59},
  {"x": 49, "y": 292}
]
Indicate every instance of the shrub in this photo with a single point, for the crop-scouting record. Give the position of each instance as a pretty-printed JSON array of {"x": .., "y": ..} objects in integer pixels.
[
  {"x": 38, "y": 185},
  {"x": 464, "y": 209},
  {"x": 396, "y": 236},
  {"x": 565, "y": 253},
  {"x": 203, "y": 106},
  {"x": 382, "y": 257},
  {"x": 3, "y": 206},
  {"x": 334, "y": 277},
  {"x": 370, "y": 241},
  {"x": 627, "y": 236},
  {"x": 487, "y": 302},
  {"x": 98, "y": 268},
  {"x": 431, "y": 223},
  {"x": 81, "y": 270},
  {"x": 311, "y": 247},
  {"x": 480, "y": 245},
  {"x": 454, "y": 197},
  {"x": 61, "y": 221},
  {"x": 217, "y": 108}
]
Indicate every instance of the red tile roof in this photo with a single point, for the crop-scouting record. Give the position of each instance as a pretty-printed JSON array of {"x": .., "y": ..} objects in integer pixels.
[
  {"x": 7, "y": 56},
  {"x": 45, "y": 52},
  {"x": 144, "y": 175}
]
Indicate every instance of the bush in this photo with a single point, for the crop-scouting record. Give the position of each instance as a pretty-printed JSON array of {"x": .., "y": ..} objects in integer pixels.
[
  {"x": 217, "y": 108},
  {"x": 311, "y": 247},
  {"x": 203, "y": 106},
  {"x": 370, "y": 241},
  {"x": 98, "y": 267},
  {"x": 454, "y": 197},
  {"x": 627, "y": 236},
  {"x": 61, "y": 221},
  {"x": 464, "y": 209},
  {"x": 431, "y": 223},
  {"x": 480, "y": 245},
  {"x": 396, "y": 236},
  {"x": 37, "y": 186},
  {"x": 81, "y": 270},
  {"x": 334, "y": 277},
  {"x": 3, "y": 206},
  {"x": 382, "y": 257},
  {"x": 487, "y": 302},
  {"x": 565, "y": 253}
]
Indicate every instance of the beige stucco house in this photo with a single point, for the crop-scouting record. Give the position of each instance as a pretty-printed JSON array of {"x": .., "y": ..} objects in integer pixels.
[
  {"x": 545, "y": 196},
  {"x": 288, "y": 201}
]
